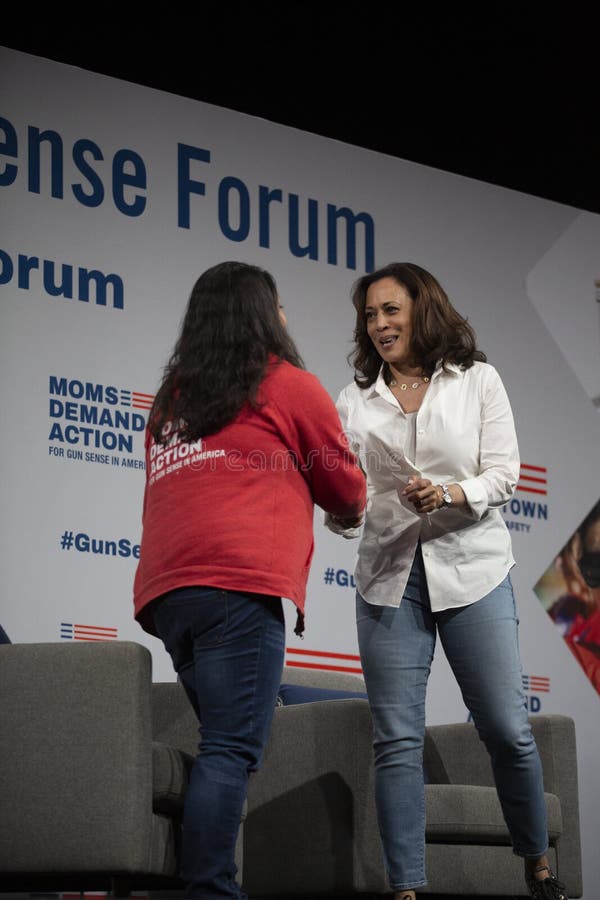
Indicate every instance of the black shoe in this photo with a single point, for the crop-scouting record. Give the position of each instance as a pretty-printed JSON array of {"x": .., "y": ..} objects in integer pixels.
[{"x": 549, "y": 888}]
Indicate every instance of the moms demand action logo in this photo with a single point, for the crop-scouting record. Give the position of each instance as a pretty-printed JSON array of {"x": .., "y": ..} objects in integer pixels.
[{"x": 92, "y": 422}]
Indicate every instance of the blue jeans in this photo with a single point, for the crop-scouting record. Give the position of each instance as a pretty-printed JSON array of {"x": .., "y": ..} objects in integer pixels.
[
  {"x": 481, "y": 645},
  {"x": 228, "y": 650}
]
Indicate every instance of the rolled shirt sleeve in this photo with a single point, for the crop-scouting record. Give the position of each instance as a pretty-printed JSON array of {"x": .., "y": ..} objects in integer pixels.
[
  {"x": 499, "y": 452},
  {"x": 329, "y": 521}
]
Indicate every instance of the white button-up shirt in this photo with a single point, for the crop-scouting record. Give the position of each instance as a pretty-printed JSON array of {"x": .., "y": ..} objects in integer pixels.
[{"x": 465, "y": 434}]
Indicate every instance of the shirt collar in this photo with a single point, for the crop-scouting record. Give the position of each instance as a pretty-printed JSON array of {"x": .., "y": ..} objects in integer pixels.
[
  {"x": 450, "y": 369},
  {"x": 380, "y": 388}
]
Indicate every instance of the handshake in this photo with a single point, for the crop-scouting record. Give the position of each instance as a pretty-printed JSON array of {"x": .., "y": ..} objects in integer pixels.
[
  {"x": 346, "y": 527},
  {"x": 345, "y": 524}
]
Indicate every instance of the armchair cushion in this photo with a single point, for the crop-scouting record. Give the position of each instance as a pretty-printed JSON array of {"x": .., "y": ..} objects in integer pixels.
[{"x": 470, "y": 814}]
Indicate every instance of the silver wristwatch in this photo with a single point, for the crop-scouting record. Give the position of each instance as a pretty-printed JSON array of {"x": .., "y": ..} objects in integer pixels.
[{"x": 446, "y": 498}]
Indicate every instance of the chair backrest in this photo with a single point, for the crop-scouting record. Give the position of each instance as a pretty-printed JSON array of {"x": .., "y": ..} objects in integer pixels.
[{"x": 322, "y": 678}]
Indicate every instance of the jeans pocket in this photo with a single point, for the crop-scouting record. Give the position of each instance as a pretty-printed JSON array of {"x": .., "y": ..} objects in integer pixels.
[
  {"x": 366, "y": 610},
  {"x": 210, "y": 618},
  {"x": 191, "y": 616}
]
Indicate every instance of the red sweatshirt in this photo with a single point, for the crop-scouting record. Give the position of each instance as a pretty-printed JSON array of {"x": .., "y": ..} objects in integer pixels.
[{"x": 235, "y": 510}]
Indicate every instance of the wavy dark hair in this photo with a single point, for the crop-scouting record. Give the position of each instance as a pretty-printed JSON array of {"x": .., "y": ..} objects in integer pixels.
[
  {"x": 230, "y": 330},
  {"x": 438, "y": 331}
]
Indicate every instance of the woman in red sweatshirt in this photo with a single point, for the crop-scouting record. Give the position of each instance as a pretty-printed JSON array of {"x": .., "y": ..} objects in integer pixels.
[{"x": 241, "y": 443}]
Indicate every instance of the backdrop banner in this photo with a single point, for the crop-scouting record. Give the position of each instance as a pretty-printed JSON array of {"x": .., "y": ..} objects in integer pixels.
[{"x": 115, "y": 197}]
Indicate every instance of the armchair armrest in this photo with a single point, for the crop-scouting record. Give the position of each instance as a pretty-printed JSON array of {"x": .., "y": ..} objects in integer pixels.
[
  {"x": 555, "y": 738},
  {"x": 454, "y": 754}
]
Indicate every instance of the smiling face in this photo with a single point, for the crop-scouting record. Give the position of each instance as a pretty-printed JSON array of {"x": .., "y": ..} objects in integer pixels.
[{"x": 388, "y": 312}]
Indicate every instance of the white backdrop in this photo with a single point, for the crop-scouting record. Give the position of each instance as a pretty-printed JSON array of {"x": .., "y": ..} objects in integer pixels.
[{"x": 101, "y": 176}]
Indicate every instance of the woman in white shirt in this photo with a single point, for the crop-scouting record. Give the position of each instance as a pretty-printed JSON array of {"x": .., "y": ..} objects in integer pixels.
[{"x": 432, "y": 424}]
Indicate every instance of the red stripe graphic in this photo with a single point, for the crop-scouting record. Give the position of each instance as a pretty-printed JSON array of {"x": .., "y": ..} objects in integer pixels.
[
  {"x": 324, "y": 666},
  {"x": 141, "y": 405},
  {"x": 524, "y": 477},
  {"x": 141, "y": 401},
  {"x": 94, "y": 633},
  {"x": 324, "y": 653},
  {"x": 87, "y": 896}
]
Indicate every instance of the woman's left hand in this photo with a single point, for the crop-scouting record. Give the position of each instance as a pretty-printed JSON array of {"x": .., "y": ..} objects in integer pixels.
[{"x": 423, "y": 494}]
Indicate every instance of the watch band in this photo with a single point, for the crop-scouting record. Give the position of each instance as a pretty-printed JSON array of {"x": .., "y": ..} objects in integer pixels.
[{"x": 446, "y": 496}]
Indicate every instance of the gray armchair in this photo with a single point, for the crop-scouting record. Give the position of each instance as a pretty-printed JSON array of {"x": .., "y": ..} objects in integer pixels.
[
  {"x": 311, "y": 825},
  {"x": 93, "y": 769},
  {"x": 76, "y": 779}
]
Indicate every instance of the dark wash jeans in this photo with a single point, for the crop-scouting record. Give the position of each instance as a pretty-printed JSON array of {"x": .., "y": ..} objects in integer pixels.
[{"x": 227, "y": 649}]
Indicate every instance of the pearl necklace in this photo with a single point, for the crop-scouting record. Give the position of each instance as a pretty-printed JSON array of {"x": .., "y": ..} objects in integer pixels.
[{"x": 415, "y": 385}]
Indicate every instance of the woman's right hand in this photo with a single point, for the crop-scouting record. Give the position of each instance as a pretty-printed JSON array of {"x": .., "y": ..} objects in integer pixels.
[
  {"x": 426, "y": 497},
  {"x": 423, "y": 494}
]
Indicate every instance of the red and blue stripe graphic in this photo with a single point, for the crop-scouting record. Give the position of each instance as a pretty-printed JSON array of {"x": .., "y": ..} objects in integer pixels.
[
  {"x": 74, "y": 632},
  {"x": 536, "y": 684},
  {"x": 137, "y": 399}
]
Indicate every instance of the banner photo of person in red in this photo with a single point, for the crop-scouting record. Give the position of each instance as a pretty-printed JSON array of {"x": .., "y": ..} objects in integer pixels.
[{"x": 570, "y": 592}]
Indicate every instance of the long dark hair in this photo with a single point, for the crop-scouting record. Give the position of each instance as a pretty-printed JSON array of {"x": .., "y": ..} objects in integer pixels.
[
  {"x": 438, "y": 331},
  {"x": 230, "y": 329}
]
